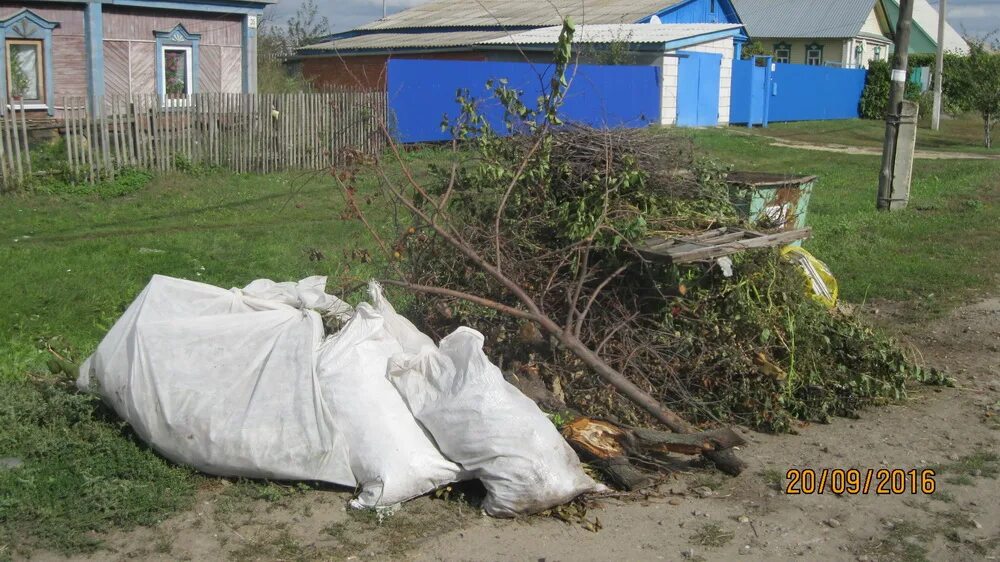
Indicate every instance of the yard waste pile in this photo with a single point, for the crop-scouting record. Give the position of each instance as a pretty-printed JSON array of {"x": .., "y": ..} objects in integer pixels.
[{"x": 246, "y": 383}]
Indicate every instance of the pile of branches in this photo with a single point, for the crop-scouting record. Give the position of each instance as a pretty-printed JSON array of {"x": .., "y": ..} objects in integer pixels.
[
  {"x": 752, "y": 349},
  {"x": 530, "y": 236}
]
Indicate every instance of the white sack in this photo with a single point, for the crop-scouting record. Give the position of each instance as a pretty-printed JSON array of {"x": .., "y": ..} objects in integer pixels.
[
  {"x": 222, "y": 382},
  {"x": 310, "y": 293},
  {"x": 390, "y": 455},
  {"x": 489, "y": 427}
]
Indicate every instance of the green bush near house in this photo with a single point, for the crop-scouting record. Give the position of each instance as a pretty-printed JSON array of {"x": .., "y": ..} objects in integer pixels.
[{"x": 875, "y": 96}]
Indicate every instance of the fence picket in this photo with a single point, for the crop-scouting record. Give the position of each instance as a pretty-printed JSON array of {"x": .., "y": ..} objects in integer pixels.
[{"x": 245, "y": 133}]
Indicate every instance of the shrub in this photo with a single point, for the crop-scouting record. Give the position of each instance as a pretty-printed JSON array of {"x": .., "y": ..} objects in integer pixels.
[{"x": 875, "y": 97}]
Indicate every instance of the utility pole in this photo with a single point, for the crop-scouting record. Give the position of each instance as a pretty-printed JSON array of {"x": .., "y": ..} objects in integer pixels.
[
  {"x": 939, "y": 67},
  {"x": 897, "y": 91},
  {"x": 383, "y": 9}
]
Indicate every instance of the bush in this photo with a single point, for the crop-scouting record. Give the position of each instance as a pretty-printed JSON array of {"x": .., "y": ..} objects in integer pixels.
[{"x": 875, "y": 97}]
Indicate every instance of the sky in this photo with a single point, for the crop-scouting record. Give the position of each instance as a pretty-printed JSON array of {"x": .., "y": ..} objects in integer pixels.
[{"x": 976, "y": 17}]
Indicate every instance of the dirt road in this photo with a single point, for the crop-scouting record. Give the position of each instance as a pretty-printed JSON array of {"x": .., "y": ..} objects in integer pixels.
[{"x": 695, "y": 515}]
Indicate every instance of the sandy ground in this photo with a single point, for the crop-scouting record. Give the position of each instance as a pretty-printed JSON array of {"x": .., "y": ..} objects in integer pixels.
[{"x": 697, "y": 514}]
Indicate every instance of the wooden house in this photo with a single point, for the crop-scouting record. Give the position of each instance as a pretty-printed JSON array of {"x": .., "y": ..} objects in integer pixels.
[{"x": 60, "y": 49}]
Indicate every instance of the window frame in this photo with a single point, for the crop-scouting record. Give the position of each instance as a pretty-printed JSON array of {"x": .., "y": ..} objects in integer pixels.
[
  {"x": 40, "y": 102},
  {"x": 189, "y": 72},
  {"x": 877, "y": 52},
  {"x": 27, "y": 26},
  {"x": 778, "y": 48},
  {"x": 814, "y": 48},
  {"x": 859, "y": 54}
]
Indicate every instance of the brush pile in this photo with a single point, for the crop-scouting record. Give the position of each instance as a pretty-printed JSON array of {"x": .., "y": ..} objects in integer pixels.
[{"x": 560, "y": 211}]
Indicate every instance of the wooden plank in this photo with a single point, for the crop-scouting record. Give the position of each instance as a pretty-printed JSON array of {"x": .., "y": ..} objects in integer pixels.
[
  {"x": 767, "y": 240},
  {"x": 4, "y": 170},
  {"x": 24, "y": 139},
  {"x": 12, "y": 123}
]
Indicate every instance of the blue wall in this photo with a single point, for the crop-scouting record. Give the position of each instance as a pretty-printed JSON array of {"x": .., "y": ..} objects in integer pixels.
[
  {"x": 699, "y": 11},
  {"x": 421, "y": 92},
  {"x": 797, "y": 92}
]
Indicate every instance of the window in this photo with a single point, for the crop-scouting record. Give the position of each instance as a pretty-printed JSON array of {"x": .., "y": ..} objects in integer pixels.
[
  {"x": 814, "y": 54},
  {"x": 878, "y": 52},
  {"x": 859, "y": 54},
  {"x": 782, "y": 52},
  {"x": 25, "y": 71},
  {"x": 176, "y": 72}
]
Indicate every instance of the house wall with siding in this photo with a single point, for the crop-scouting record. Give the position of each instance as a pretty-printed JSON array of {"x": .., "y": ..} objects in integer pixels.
[
  {"x": 130, "y": 49},
  {"x": 668, "y": 97},
  {"x": 835, "y": 51},
  {"x": 69, "y": 64}
]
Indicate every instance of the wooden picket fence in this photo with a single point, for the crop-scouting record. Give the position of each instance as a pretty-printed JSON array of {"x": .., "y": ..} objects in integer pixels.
[
  {"x": 15, "y": 158},
  {"x": 240, "y": 132}
]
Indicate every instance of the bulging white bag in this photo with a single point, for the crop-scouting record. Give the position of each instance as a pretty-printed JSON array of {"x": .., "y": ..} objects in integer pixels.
[
  {"x": 221, "y": 381},
  {"x": 390, "y": 455},
  {"x": 489, "y": 427}
]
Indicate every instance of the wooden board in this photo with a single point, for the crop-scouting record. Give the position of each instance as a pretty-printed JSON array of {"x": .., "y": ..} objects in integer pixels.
[{"x": 713, "y": 244}]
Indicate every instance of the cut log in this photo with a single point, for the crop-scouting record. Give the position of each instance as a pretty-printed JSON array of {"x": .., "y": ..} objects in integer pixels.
[{"x": 609, "y": 446}]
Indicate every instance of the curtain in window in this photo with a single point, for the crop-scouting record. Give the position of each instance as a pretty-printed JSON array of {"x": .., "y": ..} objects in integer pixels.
[
  {"x": 24, "y": 71},
  {"x": 175, "y": 73}
]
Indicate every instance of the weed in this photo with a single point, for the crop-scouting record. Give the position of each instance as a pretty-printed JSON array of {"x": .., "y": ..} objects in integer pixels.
[
  {"x": 978, "y": 464},
  {"x": 711, "y": 480},
  {"x": 773, "y": 477},
  {"x": 83, "y": 471},
  {"x": 904, "y": 542},
  {"x": 712, "y": 535}
]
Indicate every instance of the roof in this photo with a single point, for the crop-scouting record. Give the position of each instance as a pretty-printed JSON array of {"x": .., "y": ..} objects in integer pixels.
[
  {"x": 927, "y": 18},
  {"x": 389, "y": 41},
  {"x": 518, "y": 13},
  {"x": 612, "y": 33},
  {"x": 659, "y": 34},
  {"x": 803, "y": 18}
]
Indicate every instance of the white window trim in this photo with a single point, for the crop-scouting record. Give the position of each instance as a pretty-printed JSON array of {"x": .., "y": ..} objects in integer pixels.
[
  {"x": 786, "y": 58},
  {"x": 819, "y": 57},
  {"x": 163, "y": 72}
]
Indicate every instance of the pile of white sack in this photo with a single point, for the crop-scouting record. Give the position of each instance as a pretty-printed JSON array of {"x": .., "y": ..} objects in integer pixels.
[{"x": 246, "y": 383}]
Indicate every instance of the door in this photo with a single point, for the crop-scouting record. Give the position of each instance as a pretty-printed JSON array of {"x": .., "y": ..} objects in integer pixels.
[{"x": 698, "y": 77}]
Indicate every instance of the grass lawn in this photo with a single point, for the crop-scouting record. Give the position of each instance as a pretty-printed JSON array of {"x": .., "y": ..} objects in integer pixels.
[
  {"x": 964, "y": 133},
  {"x": 74, "y": 262}
]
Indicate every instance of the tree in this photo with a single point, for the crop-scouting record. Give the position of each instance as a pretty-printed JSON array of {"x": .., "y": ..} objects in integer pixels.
[
  {"x": 976, "y": 84},
  {"x": 275, "y": 43},
  {"x": 307, "y": 26},
  {"x": 754, "y": 48}
]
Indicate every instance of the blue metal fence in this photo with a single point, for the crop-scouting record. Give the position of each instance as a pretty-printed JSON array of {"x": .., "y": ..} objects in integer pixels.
[
  {"x": 794, "y": 92},
  {"x": 422, "y": 92}
]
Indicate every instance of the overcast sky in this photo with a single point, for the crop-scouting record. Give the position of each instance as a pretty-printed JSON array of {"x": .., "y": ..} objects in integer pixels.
[{"x": 976, "y": 17}]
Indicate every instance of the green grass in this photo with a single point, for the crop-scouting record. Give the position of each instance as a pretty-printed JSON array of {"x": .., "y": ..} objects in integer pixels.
[
  {"x": 83, "y": 471},
  {"x": 962, "y": 134},
  {"x": 938, "y": 252}
]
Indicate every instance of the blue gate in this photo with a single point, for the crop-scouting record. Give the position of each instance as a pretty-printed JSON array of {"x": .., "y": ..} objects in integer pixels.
[
  {"x": 794, "y": 92},
  {"x": 698, "y": 89},
  {"x": 750, "y": 93},
  {"x": 421, "y": 92}
]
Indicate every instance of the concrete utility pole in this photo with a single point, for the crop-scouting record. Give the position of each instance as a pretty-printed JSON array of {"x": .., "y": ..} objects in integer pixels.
[
  {"x": 383, "y": 9},
  {"x": 888, "y": 198},
  {"x": 939, "y": 68}
]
